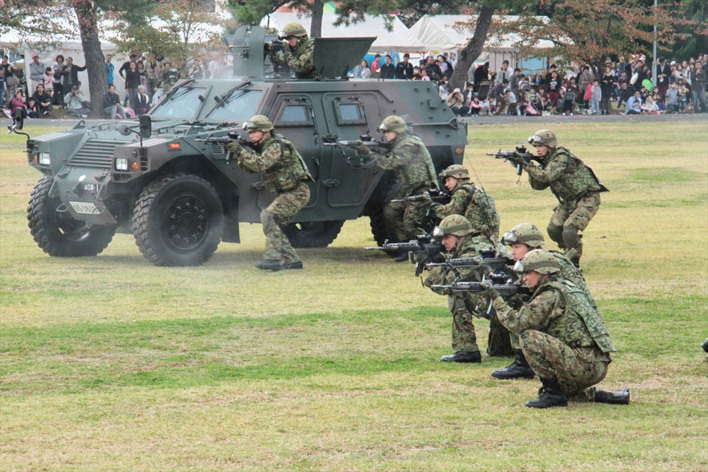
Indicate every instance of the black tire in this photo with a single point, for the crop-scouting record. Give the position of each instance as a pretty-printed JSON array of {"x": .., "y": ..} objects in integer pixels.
[
  {"x": 313, "y": 234},
  {"x": 58, "y": 233},
  {"x": 380, "y": 230},
  {"x": 178, "y": 220}
]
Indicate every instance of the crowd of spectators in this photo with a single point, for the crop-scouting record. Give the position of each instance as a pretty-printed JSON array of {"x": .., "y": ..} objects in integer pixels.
[{"x": 57, "y": 87}]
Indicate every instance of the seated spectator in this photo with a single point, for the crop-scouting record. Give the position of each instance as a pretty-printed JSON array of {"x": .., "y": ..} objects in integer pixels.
[
  {"x": 492, "y": 106},
  {"x": 625, "y": 93},
  {"x": 43, "y": 101},
  {"x": 649, "y": 107},
  {"x": 76, "y": 103},
  {"x": 456, "y": 102},
  {"x": 111, "y": 104},
  {"x": 683, "y": 94},
  {"x": 486, "y": 107},
  {"x": 443, "y": 88},
  {"x": 424, "y": 74},
  {"x": 142, "y": 102},
  {"x": 634, "y": 104},
  {"x": 528, "y": 109},
  {"x": 511, "y": 102},
  {"x": 475, "y": 106},
  {"x": 32, "y": 108},
  {"x": 17, "y": 105}
]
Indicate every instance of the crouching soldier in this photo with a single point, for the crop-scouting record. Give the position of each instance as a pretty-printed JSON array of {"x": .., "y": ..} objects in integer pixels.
[{"x": 562, "y": 335}]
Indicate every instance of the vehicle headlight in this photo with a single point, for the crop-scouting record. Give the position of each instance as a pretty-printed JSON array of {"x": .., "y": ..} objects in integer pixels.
[
  {"x": 122, "y": 163},
  {"x": 45, "y": 159}
]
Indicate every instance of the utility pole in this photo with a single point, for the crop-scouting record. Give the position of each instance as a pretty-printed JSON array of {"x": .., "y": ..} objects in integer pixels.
[{"x": 653, "y": 68}]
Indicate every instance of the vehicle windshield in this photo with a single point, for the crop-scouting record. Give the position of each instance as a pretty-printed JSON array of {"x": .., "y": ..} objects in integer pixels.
[
  {"x": 184, "y": 103},
  {"x": 239, "y": 106}
]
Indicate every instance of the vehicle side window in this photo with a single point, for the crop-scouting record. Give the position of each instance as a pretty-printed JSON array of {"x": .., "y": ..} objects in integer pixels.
[
  {"x": 349, "y": 113},
  {"x": 294, "y": 112}
]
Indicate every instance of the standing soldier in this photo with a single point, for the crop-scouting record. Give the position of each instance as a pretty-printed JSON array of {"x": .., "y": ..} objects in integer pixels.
[
  {"x": 575, "y": 186},
  {"x": 298, "y": 53},
  {"x": 411, "y": 162},
  {"x": 286, "y": 174},
  {"x": 523, "y": 238},
  {"x": 562, "y": 335},
  {"x": 461, "y": 240},
  {"x": 468, "y": 201}
]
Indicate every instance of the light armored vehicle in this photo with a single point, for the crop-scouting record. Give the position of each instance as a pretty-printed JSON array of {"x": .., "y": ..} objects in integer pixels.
[{"x": 164, "y": 179}]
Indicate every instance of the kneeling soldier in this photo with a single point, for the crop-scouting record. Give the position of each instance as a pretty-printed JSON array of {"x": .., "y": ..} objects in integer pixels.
[
  {"x": 561, "y": 334},
  {"x": 286, "y": 174}
]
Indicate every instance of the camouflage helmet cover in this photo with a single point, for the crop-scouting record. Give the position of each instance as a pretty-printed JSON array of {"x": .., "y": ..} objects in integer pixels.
[
  {"x": 393, "y": 123},
  {"x": 457, "y": 171},
  {"x": 524, "y": 233},
  {"x": 539, "y": 261},
  {"x": 293, "y": 29},
  {"x": 544, "y": 137},
  {"x": 258, "y": 123},
  {"x": 457, "y": 225}
]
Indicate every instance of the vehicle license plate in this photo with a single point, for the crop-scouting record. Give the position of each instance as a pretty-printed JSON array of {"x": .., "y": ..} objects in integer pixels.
[{"x": 85, "y": 208}]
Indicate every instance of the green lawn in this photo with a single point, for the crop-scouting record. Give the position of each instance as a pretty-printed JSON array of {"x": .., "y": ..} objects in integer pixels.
[{"x": 111, "y": 363}]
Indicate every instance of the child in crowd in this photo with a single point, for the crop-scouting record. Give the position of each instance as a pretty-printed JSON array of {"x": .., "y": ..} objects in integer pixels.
[
  {"x": 32, "y": 108},
  {"x": 486, "y": 110},
  {"x": 682, "y": 95},
  {"x": 48, "y": 82},
  {"x": 595, "y": 97}
]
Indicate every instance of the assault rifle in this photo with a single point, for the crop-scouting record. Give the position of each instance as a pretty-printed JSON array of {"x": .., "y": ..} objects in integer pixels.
[
  {"x": 226, "y": 139},
  {"x": 425, "y": 248},
  {"x": 518, "y": 158},
  {"x": 434, "y": 194},
  {"x": 366, "y": 140},
  {"x": 499, "y": 282},
  {"x": 486, "y": 256}
]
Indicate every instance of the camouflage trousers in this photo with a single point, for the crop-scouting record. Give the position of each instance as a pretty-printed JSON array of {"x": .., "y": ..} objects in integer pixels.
[
  {"x": 403, "y": 218},
  {"x": 577, "y": 370},
  {"x": 569, "y": 215},
  {"x": 463, "y": 335},
  {"x": 276, "y": 216}
]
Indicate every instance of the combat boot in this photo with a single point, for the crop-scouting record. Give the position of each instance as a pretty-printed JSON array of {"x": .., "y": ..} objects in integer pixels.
[
  {"x": 270, "y": 264},
  {"x": 519, "y": 369},
  {"x": 549, "y": 395},
  {"x": 292, "y": 265},
  {"x": 620, "y": 397},
  {"x": 463, "y": 356}
]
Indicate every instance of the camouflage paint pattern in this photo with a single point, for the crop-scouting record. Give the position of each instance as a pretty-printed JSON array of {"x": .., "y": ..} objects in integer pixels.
[
  {"x": 278, "y": 214},
  {"x": 568, "y": 177},
  {"x": 554, "y": 329},
  {"x": 577, "y": 213},
  {"x": 475, "y": 205},
  {"x": 301, "y": 60}
]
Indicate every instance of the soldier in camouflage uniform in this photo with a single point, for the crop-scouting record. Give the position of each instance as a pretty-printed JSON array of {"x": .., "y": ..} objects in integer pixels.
[
  {"x": 468, "y": 201},
  {"x": 562, "y": 335},
  {"x": 414, "y": 169},
  {"x": 298, "y": 53},
  {"x": 286, "y": 174},
  {"x": 461, "y": 240},
  {"x": 575, "y": 186},
  {"x": 523, "y": 238}
]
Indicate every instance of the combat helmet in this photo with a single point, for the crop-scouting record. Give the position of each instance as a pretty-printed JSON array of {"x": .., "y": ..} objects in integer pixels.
[
  {"x": 544, "y": 137},
  {"x": 293, "y": 29},
  {"x": 258, "y": 123},
  {"x": 539, "y": 261},
  {"x": 524, "y": 233},
  {"x": 457, "y": 225},
  {"x": 457, "y": 171},
  {"x": 393, "y": 123}
]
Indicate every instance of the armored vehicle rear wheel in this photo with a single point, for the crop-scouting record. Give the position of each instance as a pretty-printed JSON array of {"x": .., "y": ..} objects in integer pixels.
[
  {"x": 57, "y": 232},
  {"x": 178, "y": 220},
  {"x": 314, "y": 233}
]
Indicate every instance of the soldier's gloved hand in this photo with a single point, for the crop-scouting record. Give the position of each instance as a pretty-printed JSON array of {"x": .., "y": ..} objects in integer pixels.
[
  {"x": 234, "y": 147},
  {"x": 490, "y": 294},
  {"x": 426, "y": 200},
  {"x": 361, "y": 148}
]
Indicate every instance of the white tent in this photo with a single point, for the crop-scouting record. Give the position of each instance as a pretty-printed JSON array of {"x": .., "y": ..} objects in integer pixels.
[{"x": 399, "y": 39}]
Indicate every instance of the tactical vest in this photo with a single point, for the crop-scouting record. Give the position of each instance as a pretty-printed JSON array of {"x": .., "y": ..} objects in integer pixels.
[
  {"x": 486, "y": 215},
  {"x": 420, "y": 157},
  {"x": 577, "y": 301},
  {"x": 569, "y": 272},
  {"x": 290, "y": 170},
  {"x": 577, "y": 180}
]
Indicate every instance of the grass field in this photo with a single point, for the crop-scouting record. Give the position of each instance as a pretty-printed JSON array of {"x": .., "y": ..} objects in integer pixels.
[{"x": 111, "y": 363}]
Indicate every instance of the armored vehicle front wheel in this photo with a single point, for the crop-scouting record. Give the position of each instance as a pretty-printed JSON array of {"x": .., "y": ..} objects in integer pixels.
[
  {"x": 57, "y": 232},
  {"x": 178, "y": 220},
  {"x": 314, "y": 233}
]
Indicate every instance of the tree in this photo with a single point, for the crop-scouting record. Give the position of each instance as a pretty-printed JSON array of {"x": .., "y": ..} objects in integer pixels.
[
  {"x": 474, "y": 47},
  {"x": 253, "y": 11},
  {"x": 591, "y": 32}
]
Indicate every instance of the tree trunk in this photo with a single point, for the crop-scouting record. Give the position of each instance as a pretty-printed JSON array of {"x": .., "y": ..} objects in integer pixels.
[
  {"x": 316, "y": 22},
  {"x": 473, "y": 49},
  {"x": 98, "y": 81}
]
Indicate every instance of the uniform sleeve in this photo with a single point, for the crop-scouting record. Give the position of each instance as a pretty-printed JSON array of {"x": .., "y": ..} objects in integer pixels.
[
  {"x": 252, "y": 161},
  {"x": 534, "y": 315},
  {"x": 398, "y": 157},
  {"x": 301, "y": 63},
  {"x": 554, "y": 169},
  {"x": 456, "y": 205}
]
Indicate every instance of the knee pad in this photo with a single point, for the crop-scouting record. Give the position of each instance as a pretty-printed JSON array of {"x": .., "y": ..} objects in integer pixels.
[
  {"x": 571, "y": 239},
  {"x": 555, "y": 233}
]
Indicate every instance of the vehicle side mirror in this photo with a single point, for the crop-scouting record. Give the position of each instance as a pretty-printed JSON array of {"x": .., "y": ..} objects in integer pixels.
[
  {"x": 145, "y": 126},
  {"x": 124, "y": 130}
]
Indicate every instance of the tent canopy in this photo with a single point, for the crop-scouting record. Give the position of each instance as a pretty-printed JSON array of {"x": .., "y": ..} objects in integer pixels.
[
  {"x": 441, "y": 32},
  {"x": 399, "y": 39}
]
